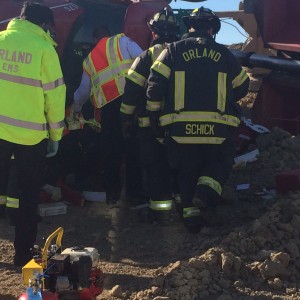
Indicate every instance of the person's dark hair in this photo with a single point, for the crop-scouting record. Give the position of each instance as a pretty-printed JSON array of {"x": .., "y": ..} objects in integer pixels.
[
  {"x": 100, "y": 32},
  {"x": 36, "y": 13}
]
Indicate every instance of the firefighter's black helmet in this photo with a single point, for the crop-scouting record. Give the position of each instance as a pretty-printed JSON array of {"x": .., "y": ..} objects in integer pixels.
[
  {"x": 164, "y": 23},
  {"x": 202, "y": 19}
]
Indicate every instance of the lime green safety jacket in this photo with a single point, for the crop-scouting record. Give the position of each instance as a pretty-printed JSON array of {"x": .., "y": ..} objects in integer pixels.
[{"x": 32, "y": 97}]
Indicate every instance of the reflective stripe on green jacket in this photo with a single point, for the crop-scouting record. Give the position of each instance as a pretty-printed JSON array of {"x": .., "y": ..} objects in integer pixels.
[{"x": 32, "y": 99}]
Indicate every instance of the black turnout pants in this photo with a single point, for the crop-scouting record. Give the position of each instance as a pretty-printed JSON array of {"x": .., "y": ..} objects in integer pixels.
[
  {"x": 195, "y": 160},
  {"x": 158, "y": 173},
  {"x": 21, "y": 178},
  {"x": 111, "y": 146}
]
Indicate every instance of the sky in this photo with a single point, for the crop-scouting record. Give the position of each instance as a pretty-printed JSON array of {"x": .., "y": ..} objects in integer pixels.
[{"x": 228, "y": 34}]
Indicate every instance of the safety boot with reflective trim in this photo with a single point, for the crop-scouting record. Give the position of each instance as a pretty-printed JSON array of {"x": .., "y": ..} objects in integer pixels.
[
  {"x": 162, "y": 218},
  {"x": 191, "y": 219},
  {"x": 148, "y": 215},
  {"x": 193, "y": 225},
  {"x": 207, "y": 207},
  {"x": 160, "y": 211},
  {"x": 203, "y": 201}
]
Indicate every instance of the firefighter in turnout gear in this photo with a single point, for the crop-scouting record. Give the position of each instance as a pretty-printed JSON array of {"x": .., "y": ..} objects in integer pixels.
[
  {"x": 32, "y": 111},
  {"x": 193, "y": 90},
  {"x": 133, "y": 108}
]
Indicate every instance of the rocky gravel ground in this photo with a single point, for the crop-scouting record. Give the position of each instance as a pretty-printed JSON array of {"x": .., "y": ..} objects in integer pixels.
[{"x": 248, "y": 250}]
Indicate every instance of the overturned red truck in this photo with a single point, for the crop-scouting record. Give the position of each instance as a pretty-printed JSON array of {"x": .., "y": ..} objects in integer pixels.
[
  {"x": 273, "y": 44},
  {"x": 272, "y": 53},
  {"x": 76, "y": 19}
]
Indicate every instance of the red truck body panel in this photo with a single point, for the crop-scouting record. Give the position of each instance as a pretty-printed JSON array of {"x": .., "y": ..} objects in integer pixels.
[{"x": 278, "y": 101}]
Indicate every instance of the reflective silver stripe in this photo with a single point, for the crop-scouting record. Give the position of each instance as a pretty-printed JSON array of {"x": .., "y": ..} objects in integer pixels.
[
  {"x": 161, "y": 205},
  {"x": 144, "y": 121},
  {"x": 198, "y": 140},
  {"x": 162, "y": 55},
  {"x": 111, "y": 50},
  {"x": 23, "y": 124},
  {"x": 222, "y": 77},
  {"x": 89, "y": 65},
  {"x": 111, "y": 73},
  {"x": 153, "y": 105},
  {"x": 127, "y": 109},
  {"x": 12, "y": 202},
  {"x": 212, "y": 183},
  {"x": 57, "y": 125},
  {"x": 179, "y": 90},
  {"x": 136, "y": 78},
  {"x": 99, "y": 98},
  {"x": 189, "y": 212},
  {"x": 21, "y": 80},
  {"x": 190, "y": 116},
  {"x": 53, "y": 85},
  {"x": 161, "y": 68},
  {"x": 2, "y": 200},
  {"x": 120, "y": 83},
  {"x": 155, "y": 51},
  {"x": 32, "y": 82},
  {"x": 238, "y": 80}
]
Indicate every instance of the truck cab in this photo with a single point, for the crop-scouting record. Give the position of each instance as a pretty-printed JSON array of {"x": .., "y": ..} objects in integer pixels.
[{"x": 75, "y": 21}]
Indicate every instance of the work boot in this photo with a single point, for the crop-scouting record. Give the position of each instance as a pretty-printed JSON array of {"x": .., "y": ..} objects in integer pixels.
[
  {"x": 155, "y": 217},
  {"x": 25, "y": 236},
  {"x": 202, "y": 201},
  {"x": 162, "y": 218},
  {"x": 193, "y": 225},
  {"x": 208, "y": 207}
]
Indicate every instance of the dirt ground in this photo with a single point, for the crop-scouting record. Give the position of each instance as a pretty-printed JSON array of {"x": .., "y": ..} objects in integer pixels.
[{"x": 251, "y": 253}]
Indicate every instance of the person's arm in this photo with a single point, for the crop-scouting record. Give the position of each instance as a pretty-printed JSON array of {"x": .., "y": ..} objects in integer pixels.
[
  {"x": 54, "y": 93},
  {"x": 241, "y": 85},
  {"x": 240, "y": 79},
  {"x": 132, "y": 47},
  {"x": 134, "y": 92},
  {"x": 157, "y": 87},
  {"x": 158, "y": 81},
  {"x": 82, "y": 94}
]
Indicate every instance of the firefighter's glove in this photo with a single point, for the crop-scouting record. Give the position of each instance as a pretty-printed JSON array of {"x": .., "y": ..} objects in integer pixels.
[
  {"x": 52, "y": 148},
  {"x": 95, "y": 125},
  {"x": 127, "y": 128},
  {"x": 75, "y": 115}
]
